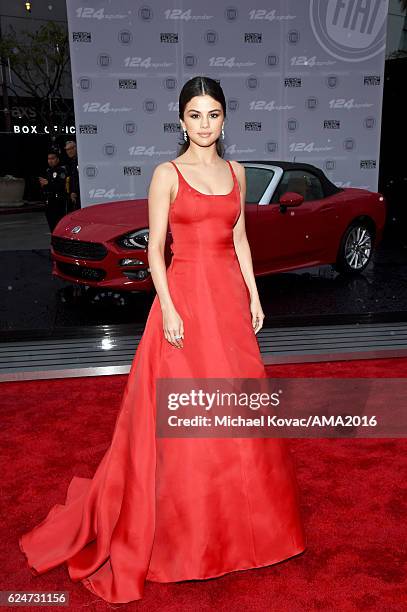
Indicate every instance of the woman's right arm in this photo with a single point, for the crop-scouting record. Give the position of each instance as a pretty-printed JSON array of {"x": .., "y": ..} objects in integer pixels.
[{"x": 159, "y": 196}]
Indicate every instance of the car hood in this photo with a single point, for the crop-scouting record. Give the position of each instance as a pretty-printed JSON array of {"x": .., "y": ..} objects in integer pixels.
[{"x": 104, "y": 221}]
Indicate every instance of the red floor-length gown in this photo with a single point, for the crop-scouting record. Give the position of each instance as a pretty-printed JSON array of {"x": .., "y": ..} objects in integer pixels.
[{"x": 170, "y": 509}]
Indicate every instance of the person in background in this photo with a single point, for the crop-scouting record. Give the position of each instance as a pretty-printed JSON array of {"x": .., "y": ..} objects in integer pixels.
[
  {"x": 54, "y": 189},
  {"x": 72, "y": 186}
]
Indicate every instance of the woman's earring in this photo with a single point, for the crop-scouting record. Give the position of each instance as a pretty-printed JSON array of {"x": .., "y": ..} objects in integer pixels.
[
  {"x": 185, "y": 135},
  {"x": 223, "y": 133}
]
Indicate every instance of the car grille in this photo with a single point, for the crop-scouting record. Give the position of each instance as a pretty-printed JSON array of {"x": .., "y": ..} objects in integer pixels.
[
  {"x": 78, "y": 248},
  {"x": 93, "y": 274}
]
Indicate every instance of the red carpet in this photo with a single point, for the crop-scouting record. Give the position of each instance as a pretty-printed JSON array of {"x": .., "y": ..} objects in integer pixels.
[{"x": 353, "y": 492}]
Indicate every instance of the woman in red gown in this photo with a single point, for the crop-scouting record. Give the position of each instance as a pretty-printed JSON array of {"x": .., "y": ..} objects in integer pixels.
[{"x": 171, "y": 509}]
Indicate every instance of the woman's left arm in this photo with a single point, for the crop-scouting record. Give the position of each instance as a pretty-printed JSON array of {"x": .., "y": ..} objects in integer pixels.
[{"x": 243, "y": 252}]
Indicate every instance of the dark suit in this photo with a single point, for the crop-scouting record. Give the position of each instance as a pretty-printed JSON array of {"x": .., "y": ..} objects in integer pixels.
[
  {"x": 56, "y": 199},
  {"x": 73, "y": 184}
]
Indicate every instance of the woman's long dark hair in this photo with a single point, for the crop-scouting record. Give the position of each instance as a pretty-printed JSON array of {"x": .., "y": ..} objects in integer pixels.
[{"x": 199, "y": 86}]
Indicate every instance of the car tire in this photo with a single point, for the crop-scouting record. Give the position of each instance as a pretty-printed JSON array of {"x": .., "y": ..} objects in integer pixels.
[{"x": 355, "y": 249}]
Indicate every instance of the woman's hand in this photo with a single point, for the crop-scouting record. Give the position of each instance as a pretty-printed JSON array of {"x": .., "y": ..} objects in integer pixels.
[
  {"x": 173, "y": 326},
  {"x": 257, "y": 314}
]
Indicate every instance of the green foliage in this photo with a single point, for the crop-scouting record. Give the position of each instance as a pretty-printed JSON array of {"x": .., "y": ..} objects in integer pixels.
[{"x": 39, "y": 61}]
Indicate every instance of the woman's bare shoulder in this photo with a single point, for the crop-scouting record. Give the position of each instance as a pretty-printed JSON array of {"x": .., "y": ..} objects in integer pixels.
[
  {"x": 162, "y": 180},
  {"x": 237, "y": 165},
  {"x": 239, "y": 171},
  {"x": 163, "y": 175},
  {"x": 164, "y": 169}
]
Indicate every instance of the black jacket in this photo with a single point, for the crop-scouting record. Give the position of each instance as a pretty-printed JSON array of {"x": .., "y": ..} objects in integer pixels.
[
  {"x": 56, "y": 181},
  {"x": 73, "y": 175}
]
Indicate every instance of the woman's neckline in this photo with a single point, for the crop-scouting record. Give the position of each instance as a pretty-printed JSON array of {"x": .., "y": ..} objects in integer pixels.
[{"x": 210, "y": 195}]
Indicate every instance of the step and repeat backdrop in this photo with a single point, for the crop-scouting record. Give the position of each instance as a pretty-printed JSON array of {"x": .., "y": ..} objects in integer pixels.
[{"x": 303, "y": 81}]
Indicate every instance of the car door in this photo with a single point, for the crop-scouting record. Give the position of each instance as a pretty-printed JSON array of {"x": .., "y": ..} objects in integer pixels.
[
  {"x": 295, "y": 236},
  {"x": 260, "y": 184},
  {"x": 317, "y": 217},
  {"x": 280, "y": 235}
]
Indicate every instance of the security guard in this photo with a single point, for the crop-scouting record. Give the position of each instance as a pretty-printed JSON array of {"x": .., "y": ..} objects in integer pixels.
[{"x": 54, "y": 189}]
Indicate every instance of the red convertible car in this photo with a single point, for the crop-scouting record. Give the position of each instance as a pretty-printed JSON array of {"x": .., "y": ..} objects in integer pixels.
[{"x": 295, "y": 218}]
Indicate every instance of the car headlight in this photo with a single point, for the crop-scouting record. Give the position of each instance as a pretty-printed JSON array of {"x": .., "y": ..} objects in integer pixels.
[{"x": 134, "y": 240}]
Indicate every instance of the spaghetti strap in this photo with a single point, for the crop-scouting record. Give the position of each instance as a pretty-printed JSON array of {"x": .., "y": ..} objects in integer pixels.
[
  {"x": 175, "y": 166},
  {"x": 180, "y": 177},
  {"x": 233, "y": 172}
]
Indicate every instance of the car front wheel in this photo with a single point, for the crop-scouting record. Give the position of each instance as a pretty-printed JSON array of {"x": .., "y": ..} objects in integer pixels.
[{"x": 355, "y": 250}]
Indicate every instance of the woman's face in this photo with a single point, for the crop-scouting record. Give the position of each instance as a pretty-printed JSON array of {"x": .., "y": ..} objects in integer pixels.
[{"x": 203, "y": 120}]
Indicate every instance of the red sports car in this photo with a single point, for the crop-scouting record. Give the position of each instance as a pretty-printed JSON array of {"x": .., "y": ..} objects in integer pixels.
[{"x": 295, "y": 218}]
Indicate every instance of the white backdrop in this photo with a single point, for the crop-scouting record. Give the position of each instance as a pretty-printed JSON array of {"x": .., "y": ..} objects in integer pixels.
[{"x": 303, "y": 80}]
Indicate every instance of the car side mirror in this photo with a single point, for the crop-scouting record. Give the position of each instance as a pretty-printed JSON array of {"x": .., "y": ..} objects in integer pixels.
[{"x": 291, "y": 198}]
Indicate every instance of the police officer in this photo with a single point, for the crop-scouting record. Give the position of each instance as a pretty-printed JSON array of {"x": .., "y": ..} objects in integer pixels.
[
  {"x": 74, "y": 196},
  {"x": 54, "y": 189}
]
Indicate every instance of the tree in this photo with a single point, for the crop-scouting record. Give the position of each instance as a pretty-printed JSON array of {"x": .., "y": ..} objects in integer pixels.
[
  {"x": 39, "y": 63},
  {"x": 403, "y": 41},
  {"x": 401, "y": 52}
]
